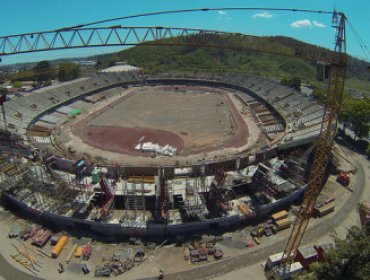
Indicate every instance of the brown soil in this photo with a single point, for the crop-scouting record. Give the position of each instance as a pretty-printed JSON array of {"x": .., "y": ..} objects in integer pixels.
[
  {"x": 120, "y": 139},
  {"x": 124, "y": 140}
]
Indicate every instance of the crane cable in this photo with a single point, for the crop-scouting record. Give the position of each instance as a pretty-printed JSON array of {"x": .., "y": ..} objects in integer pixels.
[
  {"x": 360, "y": 41},
  {"x": 194, "y": 10}
]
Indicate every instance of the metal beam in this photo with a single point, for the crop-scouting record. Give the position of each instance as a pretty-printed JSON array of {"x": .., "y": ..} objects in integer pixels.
[{"x": 155, "y": 36}]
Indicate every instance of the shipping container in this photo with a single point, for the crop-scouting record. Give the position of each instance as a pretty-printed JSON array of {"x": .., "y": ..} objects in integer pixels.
[
  {"x": 326, "y": 209},
  {"x": 273, "y": 260},
  {"x": 294, "y": 269},
  {"x": 283, "y": 224},
  {"x": 279, "y": 215}
]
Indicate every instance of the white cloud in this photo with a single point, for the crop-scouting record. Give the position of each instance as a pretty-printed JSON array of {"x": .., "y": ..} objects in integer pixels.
[
  {"x": 263, "y": 15},
  {"x": 307, "y": 23},
  {"x": 301, "y": 23},
  {"x": 222, "y": 12},
  {"x": 318, "y": 24}
]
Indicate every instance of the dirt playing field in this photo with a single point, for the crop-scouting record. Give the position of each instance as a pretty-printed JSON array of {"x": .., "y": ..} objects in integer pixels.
[{"x": 192, "y": 119}]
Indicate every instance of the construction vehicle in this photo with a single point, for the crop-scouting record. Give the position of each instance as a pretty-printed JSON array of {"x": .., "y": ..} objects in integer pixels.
[
  {"x": 32, "y": 232},
  {"x": 139, "y": 255},
  {"x": 218, "y": 254},
  {"x": 268, "y": 231},
  {"x": 14, "y": 231},
  {"x": 258, "y": 232},
  {"x": 343, "y": 178},
  {"x": 103, "y": 270}
]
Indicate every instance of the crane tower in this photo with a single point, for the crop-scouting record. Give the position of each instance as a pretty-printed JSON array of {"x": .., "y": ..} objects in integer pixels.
[{"x": 327, "y": 133}]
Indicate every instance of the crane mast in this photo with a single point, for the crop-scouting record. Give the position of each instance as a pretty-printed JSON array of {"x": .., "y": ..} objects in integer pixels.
[{"x": 325, "y": 141}]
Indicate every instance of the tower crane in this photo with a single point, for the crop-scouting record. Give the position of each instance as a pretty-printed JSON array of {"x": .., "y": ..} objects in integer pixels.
[
  {"x": 117, "y": 35},
  {"x": 323, "y": 148}
]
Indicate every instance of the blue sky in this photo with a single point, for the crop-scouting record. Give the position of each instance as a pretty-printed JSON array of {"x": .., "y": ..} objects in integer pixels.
[{"x": 22, "y": 16}]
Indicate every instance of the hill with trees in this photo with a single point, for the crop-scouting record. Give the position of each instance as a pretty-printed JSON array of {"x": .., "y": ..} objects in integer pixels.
[
  {"x": 290, "y": 70},
  {"x": 177, "y": 58}
]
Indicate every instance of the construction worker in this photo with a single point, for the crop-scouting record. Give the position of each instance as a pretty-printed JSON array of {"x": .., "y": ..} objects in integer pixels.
[
  {"x": 161, "y": 274},
  {"x": 61, "y": 268}
]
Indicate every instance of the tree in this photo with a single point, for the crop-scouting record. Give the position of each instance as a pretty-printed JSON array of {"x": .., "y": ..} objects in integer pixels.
[
  {"x": 2, "y": 77},
  {"x": 350, "y": 259},
  {"x": 23, "y": 75},
  {"x": 43, "y": 72},
  {"x": 293, "y": 83},
  {"x": 17, "y": 84},
  {"x": 346, "y": 111},
  {"x": 356, "y": 112},
  {"x": 361, "y": 117},
  {"x": 368, "y": 151},
  {"x": 68, "y": 71}
]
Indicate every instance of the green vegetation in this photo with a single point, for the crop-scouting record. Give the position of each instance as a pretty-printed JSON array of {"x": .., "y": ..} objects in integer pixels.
[
  {"x": 17, "y": 84},
  {"x": 165, "y": 58},
  {"x": 357, "y": 113},
  {"x": 23, "y": 75},
  {"x": 43, "y": 72},
  {"x": 187, "y": 58},
  {"x": 293, "y": 83},
  {"x": 350, "y": 259},
  {"x": 68, "y": 71},
  {"x": 2, "y": 77},
  {"x": 368, "y": 151}
]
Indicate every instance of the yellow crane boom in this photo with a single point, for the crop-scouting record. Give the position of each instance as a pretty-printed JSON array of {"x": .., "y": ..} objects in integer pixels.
[{"x": 324, "y": 144}]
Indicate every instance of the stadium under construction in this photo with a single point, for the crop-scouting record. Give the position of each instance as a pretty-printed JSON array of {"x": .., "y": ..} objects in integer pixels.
[{"x": 134, "y": 154}]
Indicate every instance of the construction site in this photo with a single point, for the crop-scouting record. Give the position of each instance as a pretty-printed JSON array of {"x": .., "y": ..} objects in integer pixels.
[
  {"x": 203, "y": 184},
  {"x": 147, "y": 173}
]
